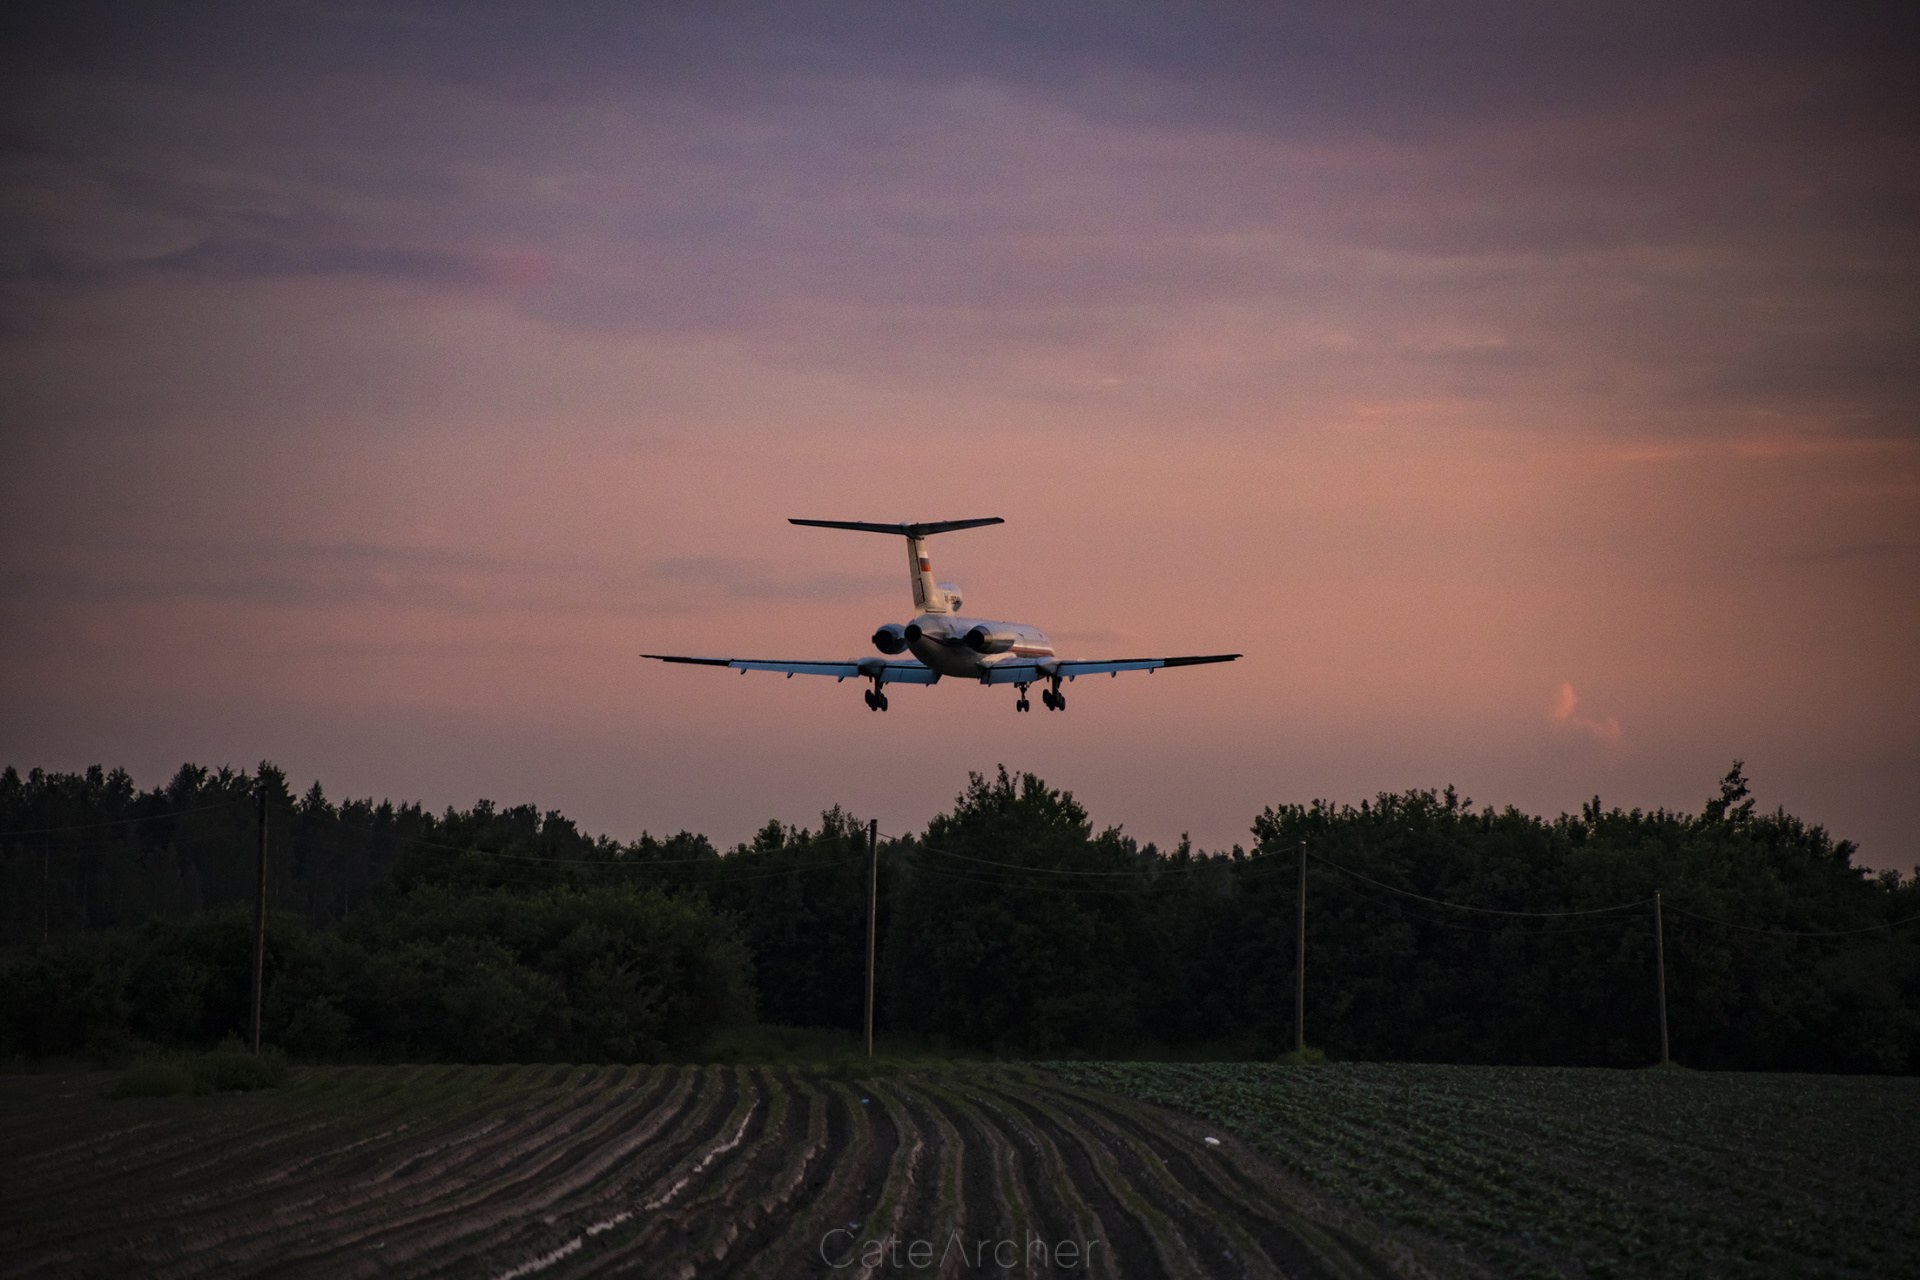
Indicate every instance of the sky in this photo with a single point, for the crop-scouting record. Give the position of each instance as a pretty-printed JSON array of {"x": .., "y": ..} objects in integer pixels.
[{"x": 1530, "y": 392}]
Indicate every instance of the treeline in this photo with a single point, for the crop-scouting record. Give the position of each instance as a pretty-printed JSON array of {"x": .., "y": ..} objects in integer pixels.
[{"x": 1436, "y": 931}]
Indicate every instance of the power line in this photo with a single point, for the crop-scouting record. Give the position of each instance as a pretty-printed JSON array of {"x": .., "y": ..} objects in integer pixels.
[
  {"x": 1794, "y": 933},
  {"x": 1391, "y": 905},
  {"x": 1015, "y": 866},
  {"x": 1462, "y": 906},
  {"x": 1013, "y": 882},
  {"x": 121, "y": 822}
]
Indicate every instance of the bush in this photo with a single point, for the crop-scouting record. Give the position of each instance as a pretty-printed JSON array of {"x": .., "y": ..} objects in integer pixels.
[
  {"x": 234, "y": 1070},
  {"x": 154, "y": 1080}
]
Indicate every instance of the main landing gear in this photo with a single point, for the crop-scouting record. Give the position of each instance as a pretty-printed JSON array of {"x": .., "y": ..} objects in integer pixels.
[
  {"x": 1052, "y": 699},
  {"x": 876, "y": 696}
]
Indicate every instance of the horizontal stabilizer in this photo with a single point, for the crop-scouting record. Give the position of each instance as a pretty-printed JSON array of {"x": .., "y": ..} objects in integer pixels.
[{"x": 902, "y": 530}]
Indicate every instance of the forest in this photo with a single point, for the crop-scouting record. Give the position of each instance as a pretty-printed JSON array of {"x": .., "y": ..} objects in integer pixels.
[{"x": 1436, "y": 931}]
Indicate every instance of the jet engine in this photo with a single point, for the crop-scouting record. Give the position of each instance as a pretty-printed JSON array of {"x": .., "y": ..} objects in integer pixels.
[
  {"x": 983, "y": 640},
  {"x": 891, "y": 638}
]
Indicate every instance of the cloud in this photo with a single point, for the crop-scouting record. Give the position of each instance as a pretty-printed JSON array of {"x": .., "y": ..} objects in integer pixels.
[
  {"x": 1566, "y": 718},
  {"x": 743, "y": 579},
  {"x": 1027, "y": 198}
]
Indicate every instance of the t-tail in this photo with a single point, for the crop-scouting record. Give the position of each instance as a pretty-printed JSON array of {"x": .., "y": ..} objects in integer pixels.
[{"x": 928, "y": 596}]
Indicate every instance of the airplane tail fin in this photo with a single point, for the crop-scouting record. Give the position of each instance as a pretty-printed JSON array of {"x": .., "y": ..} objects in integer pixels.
[{"x": 927, "y": 595}]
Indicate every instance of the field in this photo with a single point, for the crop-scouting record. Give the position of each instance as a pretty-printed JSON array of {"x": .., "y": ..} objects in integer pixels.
[
  {"x": 641, "y": 1171},
  {"x": 964, "y": 1170},
  {"x": 1538, "y": 1171}
]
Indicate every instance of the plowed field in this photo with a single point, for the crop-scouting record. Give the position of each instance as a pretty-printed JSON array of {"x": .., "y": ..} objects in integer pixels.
[{"x": 646, "y": 1171}]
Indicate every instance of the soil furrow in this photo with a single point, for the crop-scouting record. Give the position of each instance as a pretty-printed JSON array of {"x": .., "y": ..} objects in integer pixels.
[
  {"x": 779, "y": 1239},
  {"x": 735, "y": 1185},
  {"x": 1237, "y": 1176},
  {"x": 156, "y": 1202},
  {"x": 1003, "y": 1202},
  {"x": 718, "y": 1102},
  {"x": 1132, "y": 1241},
  {"x": 903, "y": 1178},
  {"x": 241, "y": 1223},
  {"x": 844, "y": 1187},
  {"x": 632, "y": 1097},
  {"x": 1219, "y": 1239},
  {"x": 426, "y": 1222},
  {"x": 1045, "y": 1169}
]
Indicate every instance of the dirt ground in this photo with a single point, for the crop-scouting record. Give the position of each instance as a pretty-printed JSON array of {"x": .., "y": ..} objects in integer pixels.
[{"x": 658, "y": 1171}]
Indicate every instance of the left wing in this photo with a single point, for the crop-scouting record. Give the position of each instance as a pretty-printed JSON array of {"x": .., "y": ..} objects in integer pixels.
[
  {"x": 1029, "y": 671},
  {"x": 895, "y": 672}
]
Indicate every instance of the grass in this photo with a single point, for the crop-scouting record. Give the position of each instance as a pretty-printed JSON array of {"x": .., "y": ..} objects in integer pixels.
[
  {"x": 228, "y": 1069},
  {"x": 826, "y": 1051}
]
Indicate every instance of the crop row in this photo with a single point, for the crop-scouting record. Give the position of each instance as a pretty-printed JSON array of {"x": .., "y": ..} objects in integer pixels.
[
  {"x": 552, "y": 1171},
  {"x": 1555, "y": 1172}
]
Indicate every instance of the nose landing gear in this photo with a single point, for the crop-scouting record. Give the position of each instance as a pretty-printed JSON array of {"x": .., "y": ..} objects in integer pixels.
[{"x": 1022, "y": 704}]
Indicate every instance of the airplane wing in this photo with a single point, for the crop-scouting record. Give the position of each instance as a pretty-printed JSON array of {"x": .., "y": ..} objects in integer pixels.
[
  {"x": 1030, "y": 672},
  {"x": 898, "y": 671}
]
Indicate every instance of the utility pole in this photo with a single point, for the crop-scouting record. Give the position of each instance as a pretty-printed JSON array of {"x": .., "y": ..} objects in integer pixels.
[
  {"x": 260, "y": 920},
  {"x": 1300, "y": 963},
  {"x": 46, "y": 891},
  {"x": 873, "y": 906},
  {"x": 1660, "y": 972}
]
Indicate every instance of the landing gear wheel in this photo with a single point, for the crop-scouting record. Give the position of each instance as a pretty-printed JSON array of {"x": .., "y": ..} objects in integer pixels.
[
  {"x": 881, "y": 701},
  {"x": 1020, "y": 705},
  {"x": 871, "y": 704}
]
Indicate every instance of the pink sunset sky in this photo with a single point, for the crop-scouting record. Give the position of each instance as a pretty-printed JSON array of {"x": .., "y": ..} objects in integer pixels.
[{"x": 1531, "y": 392}]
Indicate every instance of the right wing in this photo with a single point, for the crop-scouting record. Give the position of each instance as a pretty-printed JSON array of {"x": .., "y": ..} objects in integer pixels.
[
  {"x": 894, "y": 672},
  {"x": 1032, "y": 670}
]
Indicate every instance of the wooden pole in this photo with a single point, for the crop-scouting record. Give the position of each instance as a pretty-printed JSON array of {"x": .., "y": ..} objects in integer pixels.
[
  {"x": 1660, "y": 972},
  {"x": 873, "y": 906},
  {"x": 260, "y": 920},
  {"x": 1300, "y": 962}
]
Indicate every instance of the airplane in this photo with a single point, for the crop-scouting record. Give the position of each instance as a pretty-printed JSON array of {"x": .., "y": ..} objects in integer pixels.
[{"x": 942, "y": 642}]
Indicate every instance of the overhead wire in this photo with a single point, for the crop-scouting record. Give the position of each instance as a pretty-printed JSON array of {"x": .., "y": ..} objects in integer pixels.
[
  {"x": 1015, "y": 882},
  {"x": 121, "y": 822},
  {"x": 1463, "y": 906},
  {"x": 1539, "y": 932},
  {"x": 1791, "y": 933}
]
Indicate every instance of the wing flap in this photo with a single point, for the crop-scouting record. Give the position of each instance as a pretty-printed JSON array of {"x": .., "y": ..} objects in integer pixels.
[{"x": 1071, "y": 667}]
